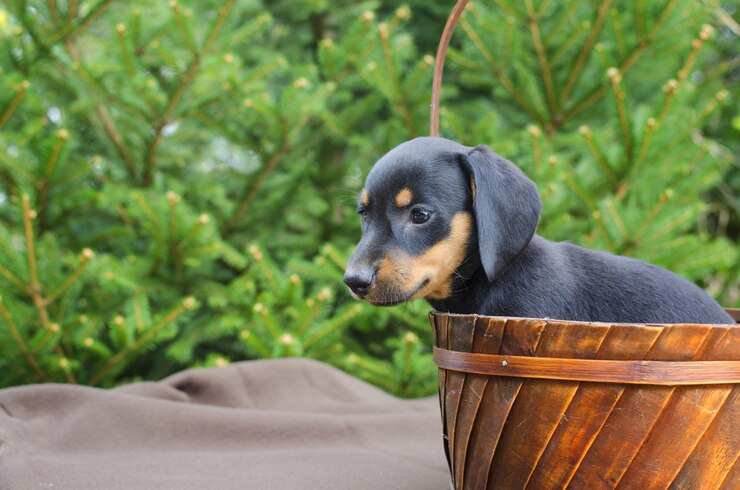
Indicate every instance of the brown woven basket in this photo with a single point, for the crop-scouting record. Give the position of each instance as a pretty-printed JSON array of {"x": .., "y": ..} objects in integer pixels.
[{"x": 533, "y": 403}]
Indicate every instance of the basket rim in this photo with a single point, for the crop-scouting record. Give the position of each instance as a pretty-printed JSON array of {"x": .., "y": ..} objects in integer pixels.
[{"x": 733, "y": 312}]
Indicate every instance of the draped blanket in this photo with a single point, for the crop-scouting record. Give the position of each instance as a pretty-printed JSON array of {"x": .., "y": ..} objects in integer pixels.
[{"x": 282, "y": 424}]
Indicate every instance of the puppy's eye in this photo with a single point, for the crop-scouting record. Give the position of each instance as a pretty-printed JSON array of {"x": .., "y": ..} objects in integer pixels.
[
  {"x": 363, "y": 214},
  {"x": 419, "y": 216}
]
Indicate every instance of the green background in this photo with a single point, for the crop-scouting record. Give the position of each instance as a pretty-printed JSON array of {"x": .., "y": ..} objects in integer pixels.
[{"x": 178, "y": 179}]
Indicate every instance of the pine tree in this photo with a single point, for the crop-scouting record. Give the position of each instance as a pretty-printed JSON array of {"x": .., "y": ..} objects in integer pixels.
[{"x": 177, "y": 180}]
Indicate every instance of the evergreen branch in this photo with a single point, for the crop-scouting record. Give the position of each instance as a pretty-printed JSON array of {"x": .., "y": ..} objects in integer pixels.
[
  {"x": 339, "y": 261},
  {"x": 52, "y": 5},
  {"x": 639, "y": 19},
  {"x": 62, "y": 136},
  {"x": 107, "y": 122},
  {"x": 564, "y": 46},
  {"x": 255, "y": 343},
  {"x": 650, "y": 126},
  {"x": 144, "y": 204},
  {"x": 272, "y": 329},
  {"x": 618, "y": 34},
  {"x": 586, "y": 49},
  {"x": 696, "y": 45},
  {"x": 682, "y": 218},
  {"x": 266, "y": 272},
  {"x": 535, "y": 133},
  {"x": 400, "y": 98},
  {"x": 598, "y": 155},
  {"x": 22, "y": 346},
  {"x": 180, "y": 22},
  {"x": 534, "y": 29},
  {"x": 506, "y": 8},
  {"x": 185, "y": 83},
  {"x": 28, "y": 215},
  {"x": 307, "y": 319},
  {"x": 615, "y": 78},
  {"x": 202, "y": 220},
  {"x": 71, "y": 31},
  {"x": 186, "y": 304},
  {"x": 670, "y": 89},
  {"x": 34, "y": 288},
  {"x": 118, "y": 142},
  {"x": 256, "y": 184},
  {"x": 13, "y": 104},
  {"x": 333, "y": 325},
  {"x": 125, "y": 55},
  {"x": 559, "y": 26},
  {"x": 617, "y": 219},
  {"x": 624, "y": 67},
  {"x": 697, "y": 123},
  {"x": 576, "y": 189},
  {"x": 43, "y": 184},
  {"x": 172, "y": 200},
  {"x": 8, "y": 181},
  {"x": 85, "y": 258},
  {"x": 662, "y": 200},
  {"x": 543, "y": 7},
  {"x": 12, "y": 278},
  {"x": 499, "y": 72},
  {"x": 508, "y": 41},
  {"x": 72, "y": 10}
]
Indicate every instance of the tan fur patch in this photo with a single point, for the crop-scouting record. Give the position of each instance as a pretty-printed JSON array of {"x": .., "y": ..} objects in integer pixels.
[
  {"x": 404, "y": 197},
  {"x": 399, "y": 273},
  {"x": 364, "y": 197},
  {"x": 472, "y": 187}
]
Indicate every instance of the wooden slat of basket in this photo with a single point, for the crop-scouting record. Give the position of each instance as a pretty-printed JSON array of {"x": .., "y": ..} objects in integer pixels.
[
  {"x": 440, "y": 338},
  {"x": 716, "y": 452},
  {"x": 520, "y": 337},
  {"x": 730, "y": 482},
  {"x": 460, "y": 339},
  {"x": 671, "y": 439},
  {"x": 719, "y": 447},
  {"x": 487, "y": 337},
  {"x": 635, "y": 412},
  {"x": 529, "y": 427},
  {"x": 589, "y": 409}
]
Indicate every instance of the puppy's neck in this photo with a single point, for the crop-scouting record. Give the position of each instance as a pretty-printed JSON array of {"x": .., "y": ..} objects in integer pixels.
[{"x": 474, "y": 293}]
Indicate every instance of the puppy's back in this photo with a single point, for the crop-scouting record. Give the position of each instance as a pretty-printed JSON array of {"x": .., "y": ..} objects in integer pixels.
[{"x": 624, "y": 289}]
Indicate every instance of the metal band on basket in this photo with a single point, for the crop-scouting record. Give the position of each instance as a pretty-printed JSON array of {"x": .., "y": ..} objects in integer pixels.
[{"x": 592, "y": 370}]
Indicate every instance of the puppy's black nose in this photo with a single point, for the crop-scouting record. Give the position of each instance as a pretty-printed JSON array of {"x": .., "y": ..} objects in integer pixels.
[{"x": 359, "y": 283}]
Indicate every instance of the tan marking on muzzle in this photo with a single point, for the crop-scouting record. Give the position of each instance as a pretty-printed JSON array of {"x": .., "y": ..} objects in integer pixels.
[
  {"x": 404, "y": 197},
  {"x": 399, "y": 273},
  {"x": 364, "y": 197}
]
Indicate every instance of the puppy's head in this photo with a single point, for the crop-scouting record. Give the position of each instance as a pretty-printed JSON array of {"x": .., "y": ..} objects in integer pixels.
[{"x": 433, "y": 212}]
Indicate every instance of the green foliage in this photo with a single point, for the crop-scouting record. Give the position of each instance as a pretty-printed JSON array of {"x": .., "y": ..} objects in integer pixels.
[{"x": 177, "y": 180}]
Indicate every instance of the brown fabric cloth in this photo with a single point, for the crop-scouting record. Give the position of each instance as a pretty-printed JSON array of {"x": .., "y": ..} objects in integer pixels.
[{"x": 283, "y": 424}]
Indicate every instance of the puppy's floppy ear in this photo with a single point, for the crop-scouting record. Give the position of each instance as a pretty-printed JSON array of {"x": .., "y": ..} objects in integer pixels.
[{"x": 506, "y": 205}]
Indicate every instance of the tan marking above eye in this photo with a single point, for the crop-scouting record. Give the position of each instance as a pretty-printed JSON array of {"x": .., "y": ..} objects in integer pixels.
[
  {"x": 404, "y": 197},
  {"x": 364, "y": 197}
]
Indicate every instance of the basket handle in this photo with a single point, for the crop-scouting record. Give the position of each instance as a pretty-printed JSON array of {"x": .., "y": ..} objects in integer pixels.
[
  {"x": 671, "y": 373},
  {"x": 439, "y": 64}
]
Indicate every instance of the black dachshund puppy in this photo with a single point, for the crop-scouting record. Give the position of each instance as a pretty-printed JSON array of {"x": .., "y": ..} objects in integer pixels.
[{"x": 456, "y": 225}]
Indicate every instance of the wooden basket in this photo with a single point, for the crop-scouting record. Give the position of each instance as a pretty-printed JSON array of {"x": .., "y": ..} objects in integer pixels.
[{"x": 533, "y": 403}]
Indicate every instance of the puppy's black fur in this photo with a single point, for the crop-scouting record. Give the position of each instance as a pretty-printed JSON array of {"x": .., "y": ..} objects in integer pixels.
[{"x": 456, "y": 225}]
